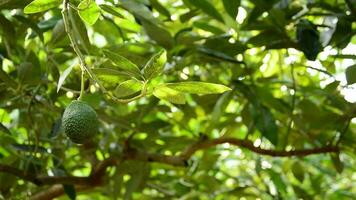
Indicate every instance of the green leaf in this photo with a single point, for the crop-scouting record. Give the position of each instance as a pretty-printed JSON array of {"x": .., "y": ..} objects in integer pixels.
[
  {"x": 195, "y": 87},
  {"x": 169, "y": 94},
  {"x": 158, "y": 33},
  {"x": 64, "y": 76},
  {"x": 123, "y": 63},
  {"x": 155, "y": 65},
  {"x": 139, "y": 174},
  {"x": 41, "y": 5},
  {"x": 339, "y": 166},
  {"x": 206, "y": 7},
  {"x": 298, "y": 171},
  {"x": 111, "y": 76},
  {"x": 112, "y": 10},
  {"x": 79, "y": 30},
  {"x": 128, "y": 88},
  {"x": 89, "y": 11},
  {"x": 56, "y": 127},
  {"x": 265, "y": 122},
  {"x": 160, "y": 8},
  {"x": 232, "y": 7},
  {"x": 70, "y": 191},
  {"x": 220, "y": 106},
  {"x": 351, "y": 74},
  {"x": 58, "y": 32},
  {"x": 308, "y": 39},
  {"x": 4, "y": 129},
  {"x": 139, "y": 10}
]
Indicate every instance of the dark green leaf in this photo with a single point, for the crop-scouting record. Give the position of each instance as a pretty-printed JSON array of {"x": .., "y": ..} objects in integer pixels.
[
  {"x": 70, "y": 191},
  {"x": 308, "y": 39},
  {"x": 4, "y": 129},
  {"x": 208, "y": 8},
  {"x": 339, "y": 166},
  {"x": 158, "y": 33},
  {"x": 265, "y": 123},
  {"x": 351, "y": 74},
  {"x": 160, "y": 8},
  {"x": 298, "y": 171},
  {"x": 56, "y": 127},
  {"x": 79, "y": 30},
  {"x": 112, "y": 10},
  {"x": 232, "y": 7}
]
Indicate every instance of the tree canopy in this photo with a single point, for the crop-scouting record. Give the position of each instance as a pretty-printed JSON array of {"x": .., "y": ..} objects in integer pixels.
[{"x": 195, "y": 99}]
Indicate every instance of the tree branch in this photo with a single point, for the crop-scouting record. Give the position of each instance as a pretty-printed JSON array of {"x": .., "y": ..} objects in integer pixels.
[
  {"x": 99, "y": 171},
  {"x": 203, "y": 144}
]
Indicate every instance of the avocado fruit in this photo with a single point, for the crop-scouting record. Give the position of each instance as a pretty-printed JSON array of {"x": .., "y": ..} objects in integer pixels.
[{"x": 80, "y": 122}]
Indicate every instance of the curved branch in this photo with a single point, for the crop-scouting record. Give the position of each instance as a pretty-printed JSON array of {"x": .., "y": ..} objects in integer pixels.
[
  {"x": 98, "y": 172},
  {"x": 203, "y": 144}
]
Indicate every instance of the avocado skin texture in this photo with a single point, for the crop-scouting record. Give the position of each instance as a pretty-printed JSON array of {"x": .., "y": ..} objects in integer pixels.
[{"x": 80, "y": 122}]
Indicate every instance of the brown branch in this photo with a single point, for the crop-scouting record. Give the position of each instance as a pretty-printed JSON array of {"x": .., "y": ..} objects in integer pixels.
[
  {"x": 99, "y": 171},
  {"x": 203, "y": 144},
  {"x": 55, "y": 191}
]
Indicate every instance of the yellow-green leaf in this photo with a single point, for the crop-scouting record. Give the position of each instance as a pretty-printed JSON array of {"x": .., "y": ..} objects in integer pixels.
[
  {"x": 41, "y": 5},
  {"x": 155, "y": 65},
  {"x": 88, "y": 11},
  {"x": 169, "y": 94},
  {"x": 128, "y": 88},
  {"x": 195, "y": 87},
  {"x": 123, "y": 63}
]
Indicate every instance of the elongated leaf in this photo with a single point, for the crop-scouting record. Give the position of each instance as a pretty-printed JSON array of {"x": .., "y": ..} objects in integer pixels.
[
  {"x": 58, "y": 32},
  {"x": 206, "y": 7},
  {"x": 79, "y": 30},
  {"x": 160, "y": 8},
  {"x": 155, "y": 65},
  {"x": 122, "y": 63},
  {"x": 158, "y": 33},
  {"x": 169, "y": 94},
  {"x": 298, "y": 171},
  {"x": 70, "y": 191},
  {"x": 139, "y": 10},
  {"x": 265, "y": 122},
  {"x": 31, "y": 24},
  {"x": 64, "y": 75},
  {"x": 339, "y": 166},
  {"x": 111, "y": 76},
  {"x": 128, "y": 88},
  {"x": 195, "y": 87},
  {"x": 29, "y": 148},
  {"x": 41, "y": 5},
  {"x": 112, "y": 10},
  {"x": 56, "y": 127},
  {"x": 232, "y": 7},
  {"x": 308, "y": 39},
  {"x": 88, "y": 11},
  {"x": 4, "y": 129},
  {"x": 351, "y": 74}
]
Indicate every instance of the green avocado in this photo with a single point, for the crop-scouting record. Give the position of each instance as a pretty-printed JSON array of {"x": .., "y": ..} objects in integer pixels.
[{"x": 80, "y": 122}]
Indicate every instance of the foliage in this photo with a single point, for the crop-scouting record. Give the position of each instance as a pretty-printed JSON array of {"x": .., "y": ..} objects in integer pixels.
[{"x": 196, "y": 99}]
